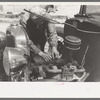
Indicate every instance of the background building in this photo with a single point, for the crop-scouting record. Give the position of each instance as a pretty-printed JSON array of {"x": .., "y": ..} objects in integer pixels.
[{"x": 68, "y": 10}]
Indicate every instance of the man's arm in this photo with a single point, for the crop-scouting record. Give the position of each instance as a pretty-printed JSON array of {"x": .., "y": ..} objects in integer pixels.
[
  {"x": 52, "y": 38},
  {"x": 33, "y": 47},
  {"x": 45, "y": 56},
  {"x": 52, "y": 35},
  {"x": 51, "y": 32}
]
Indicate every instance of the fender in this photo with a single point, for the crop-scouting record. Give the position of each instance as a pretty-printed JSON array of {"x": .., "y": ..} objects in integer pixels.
[{"x": 17, "y": 36}]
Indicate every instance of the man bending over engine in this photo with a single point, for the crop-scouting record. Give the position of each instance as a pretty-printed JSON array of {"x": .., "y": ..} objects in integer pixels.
[{"x": 40, "y": 30}]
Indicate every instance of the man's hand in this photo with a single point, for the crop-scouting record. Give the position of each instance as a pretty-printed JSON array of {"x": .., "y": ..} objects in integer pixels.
[
  {"x": 55, "y": 53},
  {"x": 45, "y": 56}
]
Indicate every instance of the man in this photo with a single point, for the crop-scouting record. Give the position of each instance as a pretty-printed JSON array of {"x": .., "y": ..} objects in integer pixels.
[{"x": 40, "y": 30}]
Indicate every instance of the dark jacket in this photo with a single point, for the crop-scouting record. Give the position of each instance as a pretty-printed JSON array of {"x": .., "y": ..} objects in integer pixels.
[{"x": 40, "y": 30}]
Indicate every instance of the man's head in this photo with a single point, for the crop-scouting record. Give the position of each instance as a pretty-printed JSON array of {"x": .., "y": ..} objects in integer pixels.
[{"x": 36, "y": 10}]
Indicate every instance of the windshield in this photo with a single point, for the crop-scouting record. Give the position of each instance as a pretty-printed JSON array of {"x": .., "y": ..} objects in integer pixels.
[{"x": 93, "y": 9}]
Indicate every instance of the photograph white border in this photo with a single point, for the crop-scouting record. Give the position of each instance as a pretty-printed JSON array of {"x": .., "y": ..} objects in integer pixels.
[{"x": 49, "y": 89}]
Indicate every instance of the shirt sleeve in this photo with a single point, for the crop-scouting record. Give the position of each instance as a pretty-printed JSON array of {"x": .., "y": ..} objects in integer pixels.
[
  {"x": 33, "y": 47},
  {"x": 51, "y": 32}
]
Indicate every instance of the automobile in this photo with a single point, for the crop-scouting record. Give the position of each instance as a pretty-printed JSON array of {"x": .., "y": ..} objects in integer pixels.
[
  {"x": 86, "y": 26},
  {"x": 11, "y": 15},
  {"x": 17, "y": 59}
]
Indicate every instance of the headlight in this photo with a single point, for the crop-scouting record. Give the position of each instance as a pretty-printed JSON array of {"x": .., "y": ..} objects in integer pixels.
[{"x": 13, "y": 60}]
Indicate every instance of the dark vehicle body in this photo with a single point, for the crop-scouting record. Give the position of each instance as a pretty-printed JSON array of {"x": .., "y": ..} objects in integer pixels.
[{"x": 86, "y": 26}]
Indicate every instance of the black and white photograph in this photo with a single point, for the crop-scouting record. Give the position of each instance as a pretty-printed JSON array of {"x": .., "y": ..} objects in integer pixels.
[{"x": 49, "y": 42}]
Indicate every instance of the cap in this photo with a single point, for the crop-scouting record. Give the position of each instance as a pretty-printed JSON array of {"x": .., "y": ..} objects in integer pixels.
[{"x": 38, "y": 10}]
